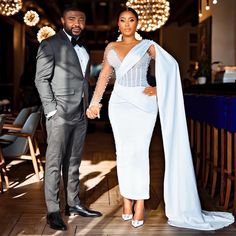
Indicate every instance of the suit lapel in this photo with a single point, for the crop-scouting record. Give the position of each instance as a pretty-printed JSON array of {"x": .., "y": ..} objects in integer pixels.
[
  {"x": 72, "y": 53},
  {"x": 87, "y": 69}
]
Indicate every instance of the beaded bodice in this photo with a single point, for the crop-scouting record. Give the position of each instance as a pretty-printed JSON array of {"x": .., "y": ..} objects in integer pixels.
[
  {"x": 136, "y": 76},
  {"x": 131, "y": 71}
]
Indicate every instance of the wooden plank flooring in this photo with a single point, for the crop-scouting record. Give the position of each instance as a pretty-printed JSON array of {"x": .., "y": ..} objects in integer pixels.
[{"x": 22, "y": 208}]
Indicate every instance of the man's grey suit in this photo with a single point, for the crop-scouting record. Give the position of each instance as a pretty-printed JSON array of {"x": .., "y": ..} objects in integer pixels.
[{"x": 62, "y": 87}]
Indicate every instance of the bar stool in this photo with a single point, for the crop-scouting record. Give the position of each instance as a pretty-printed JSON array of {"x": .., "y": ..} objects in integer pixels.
[
  {"x": 189, "y": 110},
  {"x": 228, "y": 164},
  {"x": 203, "y": 139},
  {"x": 218, "y": 123},
  {"x": 206, "y": 140},
  {"x": 215, "y": 120},
  {"x": 192, "y": 112}
]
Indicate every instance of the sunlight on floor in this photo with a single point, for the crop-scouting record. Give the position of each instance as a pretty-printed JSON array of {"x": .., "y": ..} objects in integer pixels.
[
  {"x": 15, "y": 182},
  {"x": 91, "y": 175}
]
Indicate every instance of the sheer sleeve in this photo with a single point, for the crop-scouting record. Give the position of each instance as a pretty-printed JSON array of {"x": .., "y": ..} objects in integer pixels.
[
  {"x": 152, "y": 52},
  {"x": 103, "y": 79}
]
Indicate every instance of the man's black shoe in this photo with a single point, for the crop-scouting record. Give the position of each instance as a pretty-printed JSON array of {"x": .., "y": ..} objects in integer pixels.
[
  {"x": 82, "y": 211},
  {"x": 55, "y": 221}
]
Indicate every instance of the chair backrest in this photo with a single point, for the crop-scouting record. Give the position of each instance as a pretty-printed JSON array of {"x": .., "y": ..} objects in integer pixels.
[
  {"x": 22, "y": 116},
  {"x": 34, "y": 108},
  {"x": 19, "y": 120},
  {"x": 2, "y": 119},
  {"x": 20, "y": 145},
  {"x": 31, "y": 123}
]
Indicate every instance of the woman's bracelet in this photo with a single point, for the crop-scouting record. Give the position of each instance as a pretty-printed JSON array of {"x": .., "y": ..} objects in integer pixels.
[{"x": 95, "y": 104}]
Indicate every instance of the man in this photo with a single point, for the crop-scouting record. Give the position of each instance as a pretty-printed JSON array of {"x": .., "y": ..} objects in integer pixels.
[{"x": 62, "y": 82}]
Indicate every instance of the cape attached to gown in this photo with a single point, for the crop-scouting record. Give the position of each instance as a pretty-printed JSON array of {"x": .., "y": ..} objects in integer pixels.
[{"x": 182, "y": 204}]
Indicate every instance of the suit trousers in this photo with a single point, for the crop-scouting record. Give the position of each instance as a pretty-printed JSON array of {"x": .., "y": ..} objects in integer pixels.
[{"x": 64, "y": 151}]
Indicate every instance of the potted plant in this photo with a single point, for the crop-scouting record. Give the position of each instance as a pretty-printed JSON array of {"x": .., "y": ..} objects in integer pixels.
[{"x": 203, "y": 72}]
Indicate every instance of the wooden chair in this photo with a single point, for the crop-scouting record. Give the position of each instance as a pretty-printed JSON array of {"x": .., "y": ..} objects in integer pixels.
[
  {"x": 25, "y": 143},
  {"x": 3, "y": 171},
  {"x": 13, "y": 124}
]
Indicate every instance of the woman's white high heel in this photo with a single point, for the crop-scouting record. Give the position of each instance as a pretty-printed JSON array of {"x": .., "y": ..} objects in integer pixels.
[
  {"x": 127, "y": 217},
  {"x": 137, "y": 223}
]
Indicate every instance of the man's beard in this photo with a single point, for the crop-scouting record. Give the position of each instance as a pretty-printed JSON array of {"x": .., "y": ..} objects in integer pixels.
[{"x": 69, "y": 31}]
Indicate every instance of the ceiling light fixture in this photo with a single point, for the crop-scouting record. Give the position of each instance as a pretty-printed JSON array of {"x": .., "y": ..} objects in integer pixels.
[
  {"x": 200, "y": 8},
  {"x": 45, "y": 32},
  {"x": 207, "y": 7},
  {"x": 152, "y": 13},
  {"x": 31, "y": 18},
  {"x": 10, "y": 7}
]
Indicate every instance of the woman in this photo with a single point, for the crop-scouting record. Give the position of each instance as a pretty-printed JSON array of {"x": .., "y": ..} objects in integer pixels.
[{"x": 133, "y": 108}]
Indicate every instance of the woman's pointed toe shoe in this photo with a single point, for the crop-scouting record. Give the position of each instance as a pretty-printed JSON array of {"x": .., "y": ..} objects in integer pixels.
[
  {"x": 137, "y": 223},
  {"x": 127, "y": 217}
]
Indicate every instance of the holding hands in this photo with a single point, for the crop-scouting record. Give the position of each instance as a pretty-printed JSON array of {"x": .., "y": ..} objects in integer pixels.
[{"x": 93, "y": 111}]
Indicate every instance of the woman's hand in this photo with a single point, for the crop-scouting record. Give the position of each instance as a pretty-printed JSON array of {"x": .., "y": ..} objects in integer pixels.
[
  {"x": 150, "y": 91},
  {"x": 93, "y": 111}
]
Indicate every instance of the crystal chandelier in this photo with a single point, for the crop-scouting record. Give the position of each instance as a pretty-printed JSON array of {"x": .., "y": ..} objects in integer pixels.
[
  {"x": 45, "y": 32},
  {"x": 10, "y": 7},
  {"x": 152, "y": 13},
  {"x": 31, "y": 18}
]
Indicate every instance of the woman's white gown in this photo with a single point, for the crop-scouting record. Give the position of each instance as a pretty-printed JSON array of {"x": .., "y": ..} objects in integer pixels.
[
  {"x": 133, "y": 115},
  {"x": 132, "y": 124}
]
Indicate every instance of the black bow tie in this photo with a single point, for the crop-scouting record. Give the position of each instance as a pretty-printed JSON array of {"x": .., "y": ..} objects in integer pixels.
[{"x": 75, "y": 41}]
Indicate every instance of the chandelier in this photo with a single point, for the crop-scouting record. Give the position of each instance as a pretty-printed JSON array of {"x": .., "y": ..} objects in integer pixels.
[
  {"x": 45, "y": 32},
  {"x": 31, "y": 18},
  {"x": 10, "y": 7},
  {"x": 152, "y": 13}
]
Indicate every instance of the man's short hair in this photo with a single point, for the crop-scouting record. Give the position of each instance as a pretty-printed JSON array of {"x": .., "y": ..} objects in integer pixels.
[{"x": 72, "y": 7}]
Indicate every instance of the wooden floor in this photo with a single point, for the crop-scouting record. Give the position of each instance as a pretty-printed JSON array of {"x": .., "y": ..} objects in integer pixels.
[{"x": 22, "y": 208}]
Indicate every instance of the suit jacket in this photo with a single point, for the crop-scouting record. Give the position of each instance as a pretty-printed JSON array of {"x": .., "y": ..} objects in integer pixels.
[{"x": 59, "y": 78}]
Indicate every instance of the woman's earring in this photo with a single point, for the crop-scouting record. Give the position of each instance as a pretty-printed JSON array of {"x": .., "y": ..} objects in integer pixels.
[
  {"x": 118, "y": 30},
  {"x": 137, "y": 36},
  {"x": 119, "y": 38}
]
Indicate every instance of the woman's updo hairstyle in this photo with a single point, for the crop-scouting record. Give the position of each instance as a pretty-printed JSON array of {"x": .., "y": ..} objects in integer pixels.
[{"x": 123, "y": 9}]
